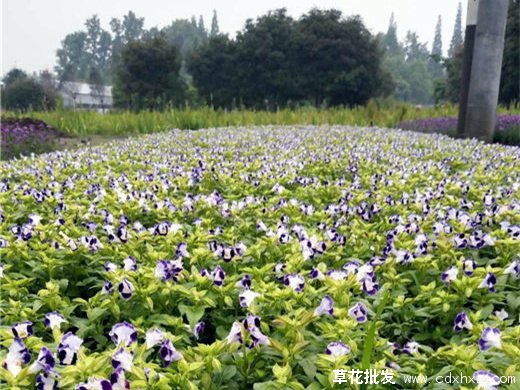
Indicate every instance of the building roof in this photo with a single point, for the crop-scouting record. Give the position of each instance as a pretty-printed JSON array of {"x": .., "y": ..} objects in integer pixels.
[{"x": 84, "y": 88}]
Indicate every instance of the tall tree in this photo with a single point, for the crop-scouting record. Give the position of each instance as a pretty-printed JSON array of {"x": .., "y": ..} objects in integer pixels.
[
  {"x": 201, "y": 26},
  {"x": 214, "y": 25},
  {"x": 437, "y": 40},
  {"x": 390, "y": 40},
  {"x": 72, "y": 57},
  {"x": 434, "y": 62},
  {"x": 457, "y": 39},
  {"x": 148, "y": 77}
]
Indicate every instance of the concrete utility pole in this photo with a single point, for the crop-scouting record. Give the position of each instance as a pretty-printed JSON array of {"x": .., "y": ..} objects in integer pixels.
[{"x": 481, "y": 68}]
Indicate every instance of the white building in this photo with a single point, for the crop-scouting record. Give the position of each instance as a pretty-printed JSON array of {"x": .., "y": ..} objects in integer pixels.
[{"x": 86, "y": 96}]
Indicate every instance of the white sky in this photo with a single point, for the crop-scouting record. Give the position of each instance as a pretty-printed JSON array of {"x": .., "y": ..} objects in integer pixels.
[{"x": 33, "y": 29}]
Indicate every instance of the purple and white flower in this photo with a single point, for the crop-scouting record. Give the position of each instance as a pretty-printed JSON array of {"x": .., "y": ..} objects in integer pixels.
[
  {"x": 462, "y": 322},
  {"x": 153, "y": 337},
  {"x": 22, "y": 330},
  {"x": 235, "y": 335},
  {"x": 491, "y": 337},
  {"x": 486, "y": 380},
  {"x": 53, "y": 320},
  {"x": 168, "y": 353},
  {"x": 17, "y": 355},
  {"x": 123, "y": 359},
  {"x": 123, "y": 333},
  {"x": 295, "y": 281},
  {"x": 489, "y": 282},
  {"x": 337, "y": 349},
  {"x": 68, "y": 348},
  {"x": 450, "y": 275},
  {"x": 247, "y": 298},
  {"x": 358, "y": 312},
  {"x": 126, "y": 289},
  {"x": 326, "y": 307}
]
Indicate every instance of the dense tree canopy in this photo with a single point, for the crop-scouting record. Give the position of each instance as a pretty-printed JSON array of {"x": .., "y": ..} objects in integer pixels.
[
  {"x": 148, "y": 76},
  {"x": 275, "y": 61}
]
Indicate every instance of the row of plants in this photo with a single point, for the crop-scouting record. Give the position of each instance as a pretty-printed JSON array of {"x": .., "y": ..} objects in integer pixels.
[
  {"x": 120, "y": 123},
  {"x": 260, "y": 258}
]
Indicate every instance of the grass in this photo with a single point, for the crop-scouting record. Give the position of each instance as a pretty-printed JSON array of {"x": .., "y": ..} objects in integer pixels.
[{"x": 120, "y": 123}]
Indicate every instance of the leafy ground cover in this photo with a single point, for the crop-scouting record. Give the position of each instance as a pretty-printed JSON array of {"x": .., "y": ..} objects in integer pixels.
[{"x": 260, "y": 257}]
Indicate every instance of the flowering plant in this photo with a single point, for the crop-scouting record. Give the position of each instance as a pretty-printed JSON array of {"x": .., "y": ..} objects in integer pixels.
[{"x": 265, "y": 257}]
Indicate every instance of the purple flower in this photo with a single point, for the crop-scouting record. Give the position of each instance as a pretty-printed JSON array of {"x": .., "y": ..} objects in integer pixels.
[
  {"x": 118, "y": 380},
  {"x": 169, "y": 353},
  {"x": 258, "y": 338},
  {"x": 68, "y": 348},
  {"x": 107, "y": 287},
  {"x": 235, "y": 335},
  {"x": 130, "y": 264},
  {"x": 95, "y": 384},
  {"x": 513, "y": 269},
  {"x": 489, "y": 282},
  {"x": 123, "y": 359},
  {"x": 491, "y": 337},
  {"x": 17, "y": 355},
  {"x": 46, "y": 381},
  {"x": 326, "y": 307},
  {"x": 337, "y": 349},
  {"x": 123, "y": 333},
  {"x": 217, "y": 276},
  {"x": 244, "y": 283},
  {"x": 462, "y": 322},
  {"x": 247, "y": 298},
  {"x": 468, "y": 266},
  {"x": 316, "y": 274},
  {"x": 486, "y": 380},
  {"x": 126, "y": 289},
  {"x": 450, "y": 275},
  {"x": 22, "y": 330},
  {"x": 53, "y": 319},
  {"x": 358, "y": 312},
  {"x": 198, "y": 329},
  {"x": 370, "y": 286},
  {"x": 154, "y": 337},
  {"x": 295, "y": 281},
  {"x": 45, "y": 361},
  {"x": 110, "y": 267},
  {"x": 411, "y": 347}
]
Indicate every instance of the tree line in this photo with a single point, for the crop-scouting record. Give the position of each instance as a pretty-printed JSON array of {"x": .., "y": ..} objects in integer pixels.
[{"x": 319, "y": 59}]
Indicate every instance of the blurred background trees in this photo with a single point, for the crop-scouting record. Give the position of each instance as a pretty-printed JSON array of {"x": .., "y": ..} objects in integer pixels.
[{"x": 321, "y": 59}]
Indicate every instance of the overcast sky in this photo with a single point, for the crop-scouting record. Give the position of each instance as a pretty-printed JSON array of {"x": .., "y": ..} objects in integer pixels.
[{"x": 33, "y": 29}]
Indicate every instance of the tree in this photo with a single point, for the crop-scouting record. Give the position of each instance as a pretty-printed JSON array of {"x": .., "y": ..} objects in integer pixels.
[
  {"x": 510, "y": 76},
  {"x": 265, "y": 65},
  {"x": 434, "y": 63},
  {"x": 14, "y": 75},
  {"x": 338, "y": 62},
  {"x": 391, "y": 43},
  {"x": 148, "y": 77},
  {"x": 457, "y": 39},
  {"x": 214, "y": 25},
  {"x": 23, "y": 94},
  {"x": 72, "y": 57},
  {"x": 213, "y": 67}
]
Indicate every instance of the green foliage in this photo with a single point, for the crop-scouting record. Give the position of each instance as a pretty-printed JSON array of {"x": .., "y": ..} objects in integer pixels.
[
  {"x": 275, "y": 61},
  {"x": 148, "y": 76},
  {"x": 24, "y": 94}
]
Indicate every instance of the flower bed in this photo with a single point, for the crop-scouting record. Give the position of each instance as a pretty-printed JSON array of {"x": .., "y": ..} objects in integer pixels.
[
  {"x": 26, "y": 136},
  {"x": 507, "y": 127},
  {"x": 265, "y": 257}
]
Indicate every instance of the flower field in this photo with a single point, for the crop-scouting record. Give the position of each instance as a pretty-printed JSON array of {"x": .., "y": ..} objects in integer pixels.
[{"x": 260, "y": 257}]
